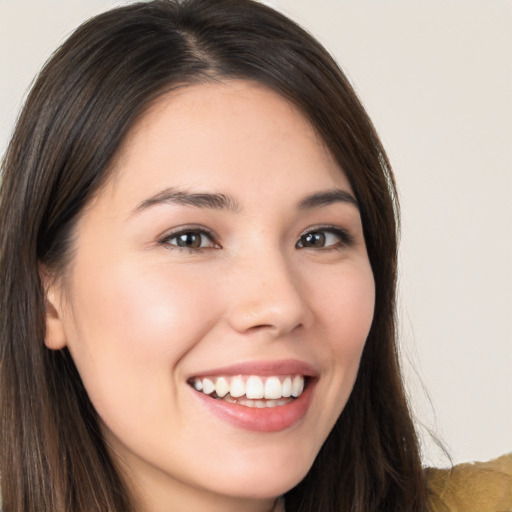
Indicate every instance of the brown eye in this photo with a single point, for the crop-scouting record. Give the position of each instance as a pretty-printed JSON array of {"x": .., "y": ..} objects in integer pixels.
[
  {"x": 313, "y": 239},
  {"x": 190, "y": 239},
  {"x": 325, "y": 238}
]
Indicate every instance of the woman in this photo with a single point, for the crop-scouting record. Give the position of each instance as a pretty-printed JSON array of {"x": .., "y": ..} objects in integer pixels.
[{"x": 199, "y": 258}]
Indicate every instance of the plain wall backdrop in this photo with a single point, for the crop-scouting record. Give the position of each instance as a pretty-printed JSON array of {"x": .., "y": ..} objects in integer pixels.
[{"x": 436, "y": 78}]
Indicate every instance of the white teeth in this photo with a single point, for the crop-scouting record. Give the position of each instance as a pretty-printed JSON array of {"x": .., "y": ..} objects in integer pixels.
[
  {"x": 273, "y": 388},
  {"x": 221, "y": 387},
  {"x": 208, "y": 386},
  {"x": 297, "y": 385},
  {"x": 287, "y": 387},
  {"x": 254, "y": 387},
  {"x": 237, "y": 387}
]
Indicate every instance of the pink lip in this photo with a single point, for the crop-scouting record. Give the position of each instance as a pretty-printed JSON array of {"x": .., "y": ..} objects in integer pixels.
[
  {"x": 270, "y": 419},
  {"x": 263, "y": 369}
]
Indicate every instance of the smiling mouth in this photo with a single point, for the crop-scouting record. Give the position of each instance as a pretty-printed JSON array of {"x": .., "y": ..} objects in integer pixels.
[{"x": 252, "y": 391}]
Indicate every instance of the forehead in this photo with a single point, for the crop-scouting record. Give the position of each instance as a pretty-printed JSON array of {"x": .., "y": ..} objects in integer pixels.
[{"x": 224, "y": 135}]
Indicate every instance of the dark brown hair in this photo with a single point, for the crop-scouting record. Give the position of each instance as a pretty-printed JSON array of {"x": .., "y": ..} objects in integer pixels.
[{"x": 84, "y": 102}]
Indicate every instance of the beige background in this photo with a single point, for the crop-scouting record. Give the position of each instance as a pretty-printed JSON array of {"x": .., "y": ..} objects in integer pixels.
[{"x": 436, "y": 77}]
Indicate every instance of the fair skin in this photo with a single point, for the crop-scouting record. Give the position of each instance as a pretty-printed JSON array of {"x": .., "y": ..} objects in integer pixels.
[{"x": 168, "y": 290}]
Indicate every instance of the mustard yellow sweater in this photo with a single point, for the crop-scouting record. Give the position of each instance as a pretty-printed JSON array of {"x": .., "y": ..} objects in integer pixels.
[{"x": 472, "y": 487}]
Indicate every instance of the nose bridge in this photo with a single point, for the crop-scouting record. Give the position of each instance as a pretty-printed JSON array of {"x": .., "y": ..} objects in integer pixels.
[{"x": 269, "y": 293}]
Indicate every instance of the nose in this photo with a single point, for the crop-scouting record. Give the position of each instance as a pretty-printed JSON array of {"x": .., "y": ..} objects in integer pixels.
[{"x": 268, "y": 294}]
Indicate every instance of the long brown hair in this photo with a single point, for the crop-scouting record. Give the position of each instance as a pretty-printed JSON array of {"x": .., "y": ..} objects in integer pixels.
[{"x": 84, "y": 102}]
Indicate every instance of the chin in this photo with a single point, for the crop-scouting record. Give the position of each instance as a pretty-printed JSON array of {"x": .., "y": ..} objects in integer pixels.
[{"x": 271, "y": 478}]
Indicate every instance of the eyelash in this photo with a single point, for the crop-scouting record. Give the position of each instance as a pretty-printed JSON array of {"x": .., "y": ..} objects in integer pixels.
[
  {"x": 202, "y": 232},
  {"x": 345, "y": 239}
]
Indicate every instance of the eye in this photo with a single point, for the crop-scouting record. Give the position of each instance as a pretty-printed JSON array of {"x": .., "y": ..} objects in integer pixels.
[
  {"x": 191, "y": 239},
  {"x": 324, "y": 238}
]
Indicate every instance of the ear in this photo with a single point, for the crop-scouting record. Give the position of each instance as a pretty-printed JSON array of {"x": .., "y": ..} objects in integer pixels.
[{"x": 55, "y": 337}]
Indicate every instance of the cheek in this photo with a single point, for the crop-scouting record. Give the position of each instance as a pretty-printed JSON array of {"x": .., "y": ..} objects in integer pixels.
[
  {"x": 144, "y": 310},
  {"x": 131, "y": 328},
  {"x": 347, "y": 311},
  {"x": 346, "y": 317}
]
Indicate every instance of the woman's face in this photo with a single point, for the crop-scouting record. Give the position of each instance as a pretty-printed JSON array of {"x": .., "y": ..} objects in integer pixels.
[{"x": 225, "y": 250}]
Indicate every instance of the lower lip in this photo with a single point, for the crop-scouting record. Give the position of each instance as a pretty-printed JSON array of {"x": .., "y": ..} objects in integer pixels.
[{"x": 267, "y": 419}]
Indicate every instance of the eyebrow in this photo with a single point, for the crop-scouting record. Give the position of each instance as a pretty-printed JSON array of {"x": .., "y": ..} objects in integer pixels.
[
  {"x": 198, "y": 200},
  {"x": 328, "y": 197},
  {"x": 216, "y": 201}
]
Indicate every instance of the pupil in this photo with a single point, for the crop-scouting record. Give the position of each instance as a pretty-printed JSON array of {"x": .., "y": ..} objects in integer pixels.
[
  {"x": 315, "y": 239},
  {"x": 191, "y": 240}
]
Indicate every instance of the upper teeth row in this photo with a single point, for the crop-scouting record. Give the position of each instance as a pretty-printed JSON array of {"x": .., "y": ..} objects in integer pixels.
[{"x": 252, "y": 387}]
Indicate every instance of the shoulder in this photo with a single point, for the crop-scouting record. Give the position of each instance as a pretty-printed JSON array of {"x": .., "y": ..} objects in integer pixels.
[{"x": 472, "y": 487}]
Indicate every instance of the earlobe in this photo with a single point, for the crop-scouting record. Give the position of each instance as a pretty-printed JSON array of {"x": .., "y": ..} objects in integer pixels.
[{"x": 55, "y": 337}]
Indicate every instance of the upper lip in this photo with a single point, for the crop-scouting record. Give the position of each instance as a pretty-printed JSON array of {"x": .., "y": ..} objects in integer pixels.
[{"x": 263, "y": 369}]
